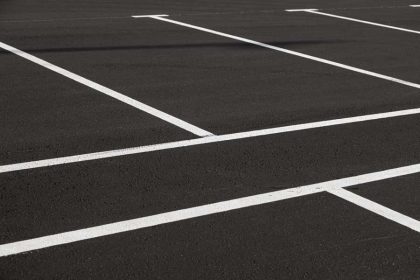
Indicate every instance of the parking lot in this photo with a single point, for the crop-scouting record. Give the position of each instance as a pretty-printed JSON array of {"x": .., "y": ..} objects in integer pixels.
[{"x": 210, "y": 140}]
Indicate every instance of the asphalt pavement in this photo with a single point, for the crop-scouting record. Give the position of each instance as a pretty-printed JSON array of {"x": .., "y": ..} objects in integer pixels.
[{"x": 102, "y": 120}]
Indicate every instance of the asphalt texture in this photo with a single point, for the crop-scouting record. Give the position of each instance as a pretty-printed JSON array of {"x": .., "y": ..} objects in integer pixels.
[{"x": 222, "y": 86}]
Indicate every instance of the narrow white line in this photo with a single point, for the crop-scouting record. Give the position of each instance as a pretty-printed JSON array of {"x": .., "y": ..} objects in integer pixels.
[
  {"x": 123, "y": 98},
  {"x": 329, "y": 62},
  {"x": 146, "y": 16},
  {"x": 415, "y": 6},
  {"x": 315, "y": 11},
  {"x": 377, "y": 208},
  {"x": 300, "y": 10},
  {"x": 199, "y": 211},
  {"x": 201, "y": 141}
]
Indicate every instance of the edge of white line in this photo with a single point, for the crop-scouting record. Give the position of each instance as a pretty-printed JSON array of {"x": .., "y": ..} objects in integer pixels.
[
  {"x": 201, "y": 141},
  {"x": 199, "y": 211}
]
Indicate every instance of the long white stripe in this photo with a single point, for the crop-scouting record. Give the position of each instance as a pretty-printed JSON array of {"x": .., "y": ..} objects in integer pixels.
[
  {"x": 159, "y": 219},
  {"x": 195, "y": 212},
  {"x": 201, "y": 141},
  {"x": 123, "y": 98},
  {"x": 314, "y": 58},
  {"x": 377, "y": 208},
  {"x": 314, "y": 11},
  {"x": 415, "y": 6}
]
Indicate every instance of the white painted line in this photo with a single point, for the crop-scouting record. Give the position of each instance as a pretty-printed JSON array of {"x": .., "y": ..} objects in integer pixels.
[
  {"x": 300, "y": 10},
  {"x": 150, "y": 221},
  {"x": 201, "y": 141},
  {"x": 315, "y": 11},
  {"x": 377, "y": 208},
  {"x": 314, "y": 58},
  {"x": 123, "y": 98},
  {"x": 199, "y": 211},
  {"x": 415, "y": 6},
  {"x": 147, "y": 16}
]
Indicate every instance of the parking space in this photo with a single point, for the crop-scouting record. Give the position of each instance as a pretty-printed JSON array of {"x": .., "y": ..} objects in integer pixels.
[
  {"x": 224, "y": 141},
  {"x": 45, "y": 115},
  {"x": 218, "y": 84},
  {"x": 373, "y": 48}
]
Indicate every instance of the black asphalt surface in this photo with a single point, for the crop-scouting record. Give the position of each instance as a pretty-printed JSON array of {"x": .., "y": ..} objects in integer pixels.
[
  {"x": 223, "y": 86},
  {"x": 104, "y": 191}
]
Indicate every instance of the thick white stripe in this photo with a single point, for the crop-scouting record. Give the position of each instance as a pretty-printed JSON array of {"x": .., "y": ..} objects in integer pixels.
[
  {"x": 201, "y": 141},
  {"x": 314, "y": 58},
  {"x": 315, "y": 11},
  {"x": 377, "y": 208},
  {"x": 164, "y": 218},
  {"x": 123, "y": 98},
  {"x": 194, "y": 212},
  {"x": 415, "y": 6}
]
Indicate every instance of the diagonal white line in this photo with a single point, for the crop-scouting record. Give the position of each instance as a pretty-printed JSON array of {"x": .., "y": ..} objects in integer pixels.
[
  {"x": 107, "y": 91},
  {"x": 159, "y": 219},
  {"x": 377, "y": 208},
  {"x": 199, "y": 211},
  {"x": 302, "y": 55},
  {"x": 315, "y": 11},
  {"x": 202, "y": 141}
]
